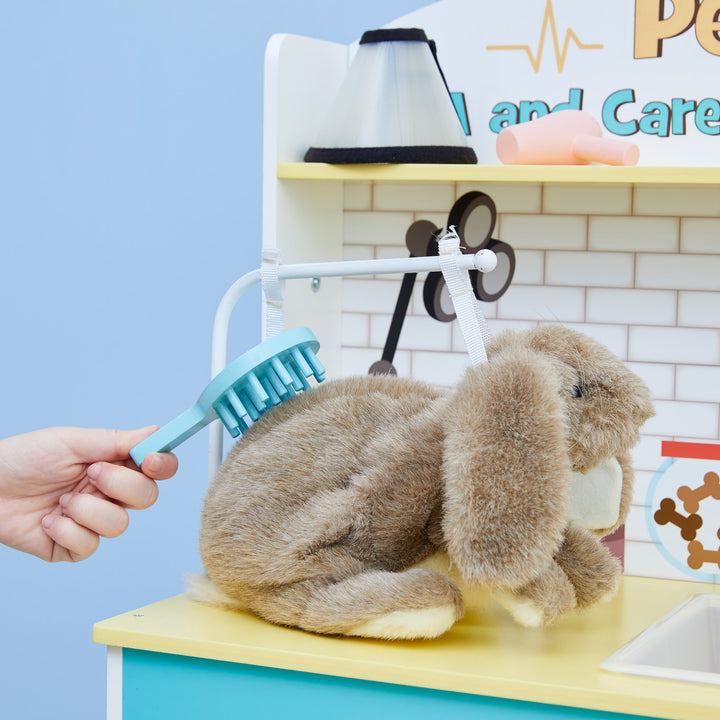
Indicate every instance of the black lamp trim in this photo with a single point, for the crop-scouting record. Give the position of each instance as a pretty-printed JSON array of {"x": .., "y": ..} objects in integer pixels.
[
  {"x": 393, "y": 35},
  {"x": 440, "y": 154}
]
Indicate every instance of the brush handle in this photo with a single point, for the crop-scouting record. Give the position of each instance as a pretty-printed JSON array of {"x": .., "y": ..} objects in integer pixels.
[{"x": 170, "y": 435}]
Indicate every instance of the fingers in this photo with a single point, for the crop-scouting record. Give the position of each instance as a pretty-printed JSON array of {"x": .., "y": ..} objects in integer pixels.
[
  {"x": 85, "y": 519},
  {"x": 93, "y": 512},
  {"x": 72, "y": 541},
  {"x": 87, "y": 516},
  {"x": 128, "y": 487}
]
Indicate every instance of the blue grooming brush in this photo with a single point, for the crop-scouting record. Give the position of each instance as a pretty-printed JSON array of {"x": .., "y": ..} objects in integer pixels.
[{"x": 263, "y": 377}]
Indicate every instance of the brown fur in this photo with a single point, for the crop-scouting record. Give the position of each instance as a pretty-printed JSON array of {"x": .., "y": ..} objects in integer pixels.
[{"x": 320, "y": 511}]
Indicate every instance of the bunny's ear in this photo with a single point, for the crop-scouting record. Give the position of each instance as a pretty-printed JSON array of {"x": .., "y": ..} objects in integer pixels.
[{"x": 506, "y": 469}]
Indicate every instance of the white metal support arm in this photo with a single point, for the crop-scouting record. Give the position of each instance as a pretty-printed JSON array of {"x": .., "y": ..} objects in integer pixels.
[{"x": 483, "y": 260}]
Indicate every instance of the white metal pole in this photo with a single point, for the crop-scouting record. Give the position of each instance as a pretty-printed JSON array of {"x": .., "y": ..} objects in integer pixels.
[{"x": 483, "y": 260}]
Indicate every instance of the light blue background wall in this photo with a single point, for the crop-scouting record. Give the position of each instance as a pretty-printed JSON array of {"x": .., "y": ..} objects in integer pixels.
[{"x": 130, "y": 176}]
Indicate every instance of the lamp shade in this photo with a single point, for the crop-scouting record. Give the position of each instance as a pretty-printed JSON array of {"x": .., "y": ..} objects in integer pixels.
[{"x": 393, "y": 107}]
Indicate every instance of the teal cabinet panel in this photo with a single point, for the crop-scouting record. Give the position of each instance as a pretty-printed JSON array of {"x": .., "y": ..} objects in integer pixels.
[{"x": 158, "y": 685}]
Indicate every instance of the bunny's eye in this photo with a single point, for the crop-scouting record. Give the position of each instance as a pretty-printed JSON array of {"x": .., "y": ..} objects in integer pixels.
[{"x": 576, "y": 391}]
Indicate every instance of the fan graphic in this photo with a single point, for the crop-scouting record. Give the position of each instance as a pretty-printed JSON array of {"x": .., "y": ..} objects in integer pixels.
[
  {"x": 473, "y": 215},
  {"x": 683, "y": 509}
]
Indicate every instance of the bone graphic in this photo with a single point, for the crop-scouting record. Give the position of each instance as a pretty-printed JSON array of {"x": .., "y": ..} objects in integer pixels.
[
  {"x": 698, "y": 555},
  {"x": 668, "y": 514},
  {"x": 691, "y": 498}
]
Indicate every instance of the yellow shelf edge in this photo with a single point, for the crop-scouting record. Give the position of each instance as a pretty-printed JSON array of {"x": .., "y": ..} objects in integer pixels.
[{"x": 501, "y": 174}]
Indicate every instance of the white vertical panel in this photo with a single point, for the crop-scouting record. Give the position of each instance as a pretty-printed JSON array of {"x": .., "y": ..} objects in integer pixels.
[
  {"x": 114, "y": 682},
  {"x": 303, "y": 220}
]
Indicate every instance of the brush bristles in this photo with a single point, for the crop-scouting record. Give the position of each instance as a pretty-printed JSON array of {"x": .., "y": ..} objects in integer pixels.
[{"x": 267, "y": 385}]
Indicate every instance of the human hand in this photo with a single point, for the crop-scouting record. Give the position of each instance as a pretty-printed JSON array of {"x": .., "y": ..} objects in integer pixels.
[{"x": 63, "y": 488}]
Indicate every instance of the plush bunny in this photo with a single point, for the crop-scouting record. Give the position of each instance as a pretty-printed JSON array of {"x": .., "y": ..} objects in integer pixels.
[{"x": 330, "y": 513}]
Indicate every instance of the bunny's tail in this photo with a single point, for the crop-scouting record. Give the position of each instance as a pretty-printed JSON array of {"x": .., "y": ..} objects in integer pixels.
[{"x": 202, "y": 589}]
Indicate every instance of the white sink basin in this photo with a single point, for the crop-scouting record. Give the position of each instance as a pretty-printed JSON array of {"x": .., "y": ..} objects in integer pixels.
[{"x": 683, "y": 645}]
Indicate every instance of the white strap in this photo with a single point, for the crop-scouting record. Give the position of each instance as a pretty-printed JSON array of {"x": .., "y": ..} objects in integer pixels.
[
  {"x": 473, "y": 325},
  {"x": 273, "y": 291}
]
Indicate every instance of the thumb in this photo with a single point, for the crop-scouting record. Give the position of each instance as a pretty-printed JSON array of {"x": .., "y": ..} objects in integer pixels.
[{"x": 93, "y": 444}]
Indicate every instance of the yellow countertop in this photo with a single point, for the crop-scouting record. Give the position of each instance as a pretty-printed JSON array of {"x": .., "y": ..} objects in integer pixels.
[{"x": 485, "y": 654}]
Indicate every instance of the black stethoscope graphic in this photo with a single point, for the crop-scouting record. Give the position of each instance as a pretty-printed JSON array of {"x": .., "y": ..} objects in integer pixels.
[{"x": 473, "y": 215}]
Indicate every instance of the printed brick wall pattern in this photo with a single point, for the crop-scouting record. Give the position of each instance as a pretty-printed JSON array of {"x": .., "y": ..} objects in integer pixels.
[{"x": 636, "y": 267}]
